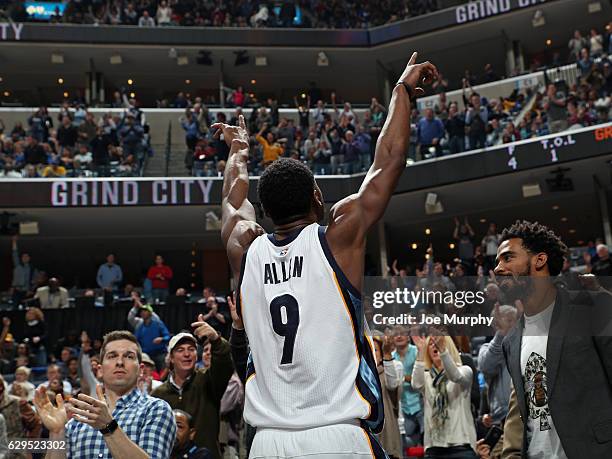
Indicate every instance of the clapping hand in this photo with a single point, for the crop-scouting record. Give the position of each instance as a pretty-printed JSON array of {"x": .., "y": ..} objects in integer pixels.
[
  {"x": 53, "y": 417},
  {"x": 89, "y": 410}
]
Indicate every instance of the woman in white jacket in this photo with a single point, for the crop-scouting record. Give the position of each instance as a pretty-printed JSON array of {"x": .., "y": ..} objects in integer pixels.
[{"x": 445, "y": 383}]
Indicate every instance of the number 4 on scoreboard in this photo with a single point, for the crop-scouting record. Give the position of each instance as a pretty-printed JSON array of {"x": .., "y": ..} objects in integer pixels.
[{"x": 513, "y": 163}]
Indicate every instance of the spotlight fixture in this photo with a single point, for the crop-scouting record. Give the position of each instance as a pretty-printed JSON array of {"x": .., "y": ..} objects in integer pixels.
[
  {"x": 451, "y": 246},
  {"x": 414, "y": 246},
  {"x": 242, "y": 58},
  {"x": 130, "y": 82},
  {"x": 427, "y": 231},
  {"x": 60, "y": 80},
  {"x": 560, "y": 182},
  {"x": 204, "y": 58}
]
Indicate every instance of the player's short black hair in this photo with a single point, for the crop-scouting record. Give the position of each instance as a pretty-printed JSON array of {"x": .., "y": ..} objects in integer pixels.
[
  {"x": 538, "y": 238},
  {"x": 285, "y": 190}
]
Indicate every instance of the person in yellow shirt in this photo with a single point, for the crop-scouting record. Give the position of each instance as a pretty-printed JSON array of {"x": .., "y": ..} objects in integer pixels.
[
  {"x": 54, "y": 170},
  {"x": 271, "y": 149}
]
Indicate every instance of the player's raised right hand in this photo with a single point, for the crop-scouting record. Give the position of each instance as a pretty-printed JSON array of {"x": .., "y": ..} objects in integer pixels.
[{"x": 237, "y": 135}]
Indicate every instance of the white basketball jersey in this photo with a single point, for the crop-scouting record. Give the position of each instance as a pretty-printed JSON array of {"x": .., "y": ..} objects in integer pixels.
[{"x": 311, "y": 364}]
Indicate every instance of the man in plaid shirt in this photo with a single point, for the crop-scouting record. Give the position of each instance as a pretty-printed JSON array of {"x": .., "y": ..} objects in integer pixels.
[{"x": 122, "y": 422}]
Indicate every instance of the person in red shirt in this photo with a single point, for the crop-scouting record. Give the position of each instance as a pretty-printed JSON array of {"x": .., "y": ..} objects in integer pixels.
[{"x": 160, "y": 275}]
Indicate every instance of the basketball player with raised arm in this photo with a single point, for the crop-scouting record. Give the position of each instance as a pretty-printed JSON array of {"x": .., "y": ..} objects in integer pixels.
[{"x": 312, "y": 387}]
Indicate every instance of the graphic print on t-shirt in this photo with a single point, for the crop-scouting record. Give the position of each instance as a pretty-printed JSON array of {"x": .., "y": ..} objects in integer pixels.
[{"x": 536, "y": 390}]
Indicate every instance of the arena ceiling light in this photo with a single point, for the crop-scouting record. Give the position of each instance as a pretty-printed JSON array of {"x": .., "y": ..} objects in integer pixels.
[
  {"x": 242, "y": 58},
  {"x": 322, "y": 59}
]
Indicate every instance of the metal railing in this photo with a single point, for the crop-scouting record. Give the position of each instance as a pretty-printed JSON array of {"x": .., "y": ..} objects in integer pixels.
[{"x": 168, "y": 151}]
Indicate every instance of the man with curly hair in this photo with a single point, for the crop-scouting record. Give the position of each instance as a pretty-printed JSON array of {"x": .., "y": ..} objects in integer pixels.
[{"x": 561, "y": 365}]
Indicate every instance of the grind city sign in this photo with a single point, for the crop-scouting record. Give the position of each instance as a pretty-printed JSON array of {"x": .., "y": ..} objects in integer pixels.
[
  {"x": 109, "y": 193},
  {"x": 474, "y": 11}
]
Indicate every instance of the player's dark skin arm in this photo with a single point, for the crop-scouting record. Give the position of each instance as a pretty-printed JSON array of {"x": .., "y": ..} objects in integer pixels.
[
  {"x": 238, "y": 220},
  {"x": 352, "y": 217}
]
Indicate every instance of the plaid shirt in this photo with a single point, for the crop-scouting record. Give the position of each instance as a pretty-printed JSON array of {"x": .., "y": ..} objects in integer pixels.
[{"x": 147, "y": 421}]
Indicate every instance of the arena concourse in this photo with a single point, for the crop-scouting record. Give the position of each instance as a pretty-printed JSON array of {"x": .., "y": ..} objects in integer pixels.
[{"x": 147, "y": 146}]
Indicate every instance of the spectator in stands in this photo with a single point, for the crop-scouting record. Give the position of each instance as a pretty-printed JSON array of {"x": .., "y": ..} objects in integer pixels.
[
  {"x": 23, "y": 274},
  {"x": 446, "y": 386},
  {"x": 575, "y": 45},
  {"x": 198, "y": 392},
  {"x": 494, "y": 132},
  {"x": 492, "y": 364},
  {"x": 151, "y": 333},
  {"x": 52, "y": 296},
  {"x": 476, "y": 119},
  {"x": 54, "y": 376},
  {"x": 585, "y": 63},
  {"x": 55, "y": 169},
  {"x": 40, "y": 123},
  {"x": 595, "y": 44},
  {"x": 87, "y": 129},
  {"x": 191, "y": 126},
  {"x": 601, "y": 265},
  {"x": 164, "y": 14},
  {"x": 350, "y": 152},
  {"x": 489, "y": 75},
  {"x": 67, "y": 134},
  {"x": 34, "y": 152},
  {"x": 185, "y": 434},
  {"x": 132, "y": 135},
  {"x": 217, "y": 316},
  {"x": 136, "y": 425},
  {"x": 271, "y": 149},
  {"x": 72, "y": 374},
  {"x": 160, "y": 276},
  {"x": 464, "y": 235},
  {"x": 100, "y": 155},
  {"x": 430, "y": 131},
  {"x": 490, "y": 243},
  {"x": 238, "y": 97},
  {"x": 146, "y": 382},
  {"x": 110, "y": 275},
  {"x": 145, "y": 20},
  {"x": 82, "y": 158},
  {"x": 391, "y": 374},
  {"x": 555, "y": 109},
  {"x": 455, "y": 127},
  {"x": 21, "y": 420},
  {"x": 411, "y": 404},
  {"x": 22, "y": 377}
]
